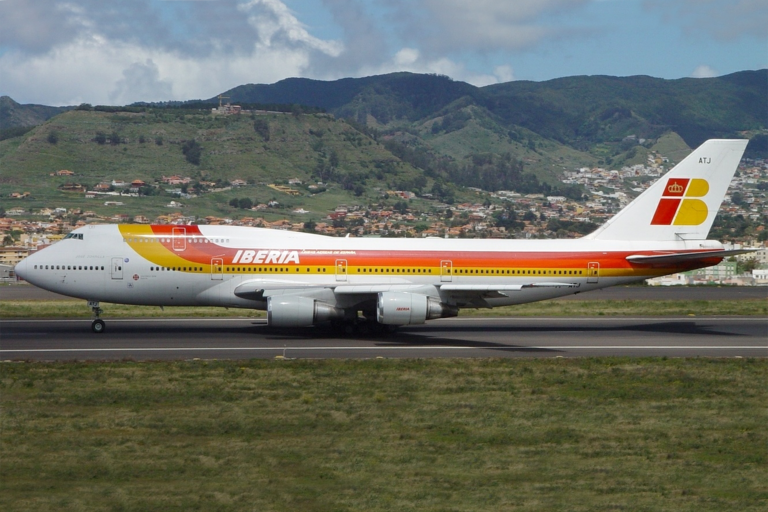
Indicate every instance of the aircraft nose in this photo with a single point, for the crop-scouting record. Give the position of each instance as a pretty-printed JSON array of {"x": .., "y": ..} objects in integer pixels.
[{"x": 21, "y": 269}]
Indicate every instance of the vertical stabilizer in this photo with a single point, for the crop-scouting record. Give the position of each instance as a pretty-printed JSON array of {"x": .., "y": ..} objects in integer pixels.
[{"x": 682, "y": 204}]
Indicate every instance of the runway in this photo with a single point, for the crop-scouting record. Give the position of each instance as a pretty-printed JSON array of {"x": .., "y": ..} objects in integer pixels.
[
  {"x": 183, "y": 339},
  {"x": 29, "y": 292}
]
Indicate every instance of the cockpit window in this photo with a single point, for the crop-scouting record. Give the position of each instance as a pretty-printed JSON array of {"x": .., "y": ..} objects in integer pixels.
[{"x": 76, "y": 236}]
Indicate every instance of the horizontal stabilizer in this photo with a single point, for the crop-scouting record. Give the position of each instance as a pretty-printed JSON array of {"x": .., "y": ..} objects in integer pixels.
[{"x": 672, "y": 258}]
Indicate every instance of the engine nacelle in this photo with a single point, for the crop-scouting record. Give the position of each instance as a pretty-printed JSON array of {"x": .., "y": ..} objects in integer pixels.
[
  {"x": 290, "y": 311},
  {"x": 400, "y": 308}
]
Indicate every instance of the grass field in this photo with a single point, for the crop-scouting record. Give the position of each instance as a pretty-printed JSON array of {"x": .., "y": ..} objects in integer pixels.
[
  {"x": 426, "y": 435},
  {"x": 77, "y": 309}
]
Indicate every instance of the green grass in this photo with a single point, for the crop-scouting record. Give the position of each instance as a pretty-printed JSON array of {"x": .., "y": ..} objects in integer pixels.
[
  {"x": 405, "y": 435},
  {"x": 77, "y": 309},
  {"x": 746, "y": 307},
  {"x": 554, "y": 308}
]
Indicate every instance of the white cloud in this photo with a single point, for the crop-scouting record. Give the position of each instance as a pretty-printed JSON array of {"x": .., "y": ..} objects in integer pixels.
[
  {"x": 98, "y": 68},
  {"x": 504, "y": 73},
  {"x": 278, "y": 22},
  {"x": 142, "y": 80},
  {"x": 704, "y": 71},
  {"x": 491, "y": 25}
]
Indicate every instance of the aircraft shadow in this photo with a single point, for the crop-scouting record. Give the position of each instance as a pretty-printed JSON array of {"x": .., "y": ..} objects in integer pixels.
[
  {"x": 400, "y": 338},
  {"x": 690, "y": 327}
]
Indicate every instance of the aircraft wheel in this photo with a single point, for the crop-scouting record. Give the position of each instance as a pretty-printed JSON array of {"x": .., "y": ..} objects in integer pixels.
[{"x": 98, "y": 326}]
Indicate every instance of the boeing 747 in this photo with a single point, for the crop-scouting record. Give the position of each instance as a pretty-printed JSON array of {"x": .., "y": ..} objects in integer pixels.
[{"x": 304, "y": 279}]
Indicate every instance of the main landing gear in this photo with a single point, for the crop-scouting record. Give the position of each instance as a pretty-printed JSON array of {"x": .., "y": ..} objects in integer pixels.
[
  {"x": 362, "y": 326},
  {"x": 98, "y": 325}
]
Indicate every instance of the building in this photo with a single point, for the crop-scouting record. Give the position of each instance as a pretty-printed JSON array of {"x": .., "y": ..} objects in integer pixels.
[
  {"x": 7, "y": 273},
  {"x": 716, "y": 274},
  {"x": 10, "y": 256}
]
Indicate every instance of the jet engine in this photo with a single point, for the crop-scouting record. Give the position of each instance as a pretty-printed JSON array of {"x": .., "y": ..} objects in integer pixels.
[
  {"x": 400, "y": 308},
  {"x": 299, "y": 311}
]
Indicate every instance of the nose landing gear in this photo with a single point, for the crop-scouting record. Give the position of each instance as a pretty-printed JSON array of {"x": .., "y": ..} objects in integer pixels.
[{"x": 98, "y": 325}]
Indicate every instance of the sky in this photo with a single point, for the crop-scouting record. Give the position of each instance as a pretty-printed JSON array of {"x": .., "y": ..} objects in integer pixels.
[{"x": 115, "y": 52}]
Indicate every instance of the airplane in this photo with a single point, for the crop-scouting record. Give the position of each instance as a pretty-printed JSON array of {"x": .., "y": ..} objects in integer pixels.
[{"x": 304, "y": 279}]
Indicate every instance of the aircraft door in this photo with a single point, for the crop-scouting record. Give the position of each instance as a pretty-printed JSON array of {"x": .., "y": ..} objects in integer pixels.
[
  {"x": 179, "y": 238},
  {"x": 217, "y": 269},
  {"x": 593, "y": 271},
  {"x": 341, "y": 270},
  {"x": 446, "y": 271},
  {"x": 117, "y": 268}
]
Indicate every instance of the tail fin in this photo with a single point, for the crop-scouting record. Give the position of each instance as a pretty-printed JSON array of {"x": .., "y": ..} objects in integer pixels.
[{"x": 682, "y": 204}]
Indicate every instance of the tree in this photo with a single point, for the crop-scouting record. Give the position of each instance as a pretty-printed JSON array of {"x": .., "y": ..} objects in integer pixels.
[
  {"x": 192, "y": 151},
  {"x": 100, "y": 138},
  {"x": 114, "y": 138},
  {"x": 53, "y": 137},
  {"x": 508, "y": 219},
  {"x": 261, "y": 126},
  {"x": 245, "y": 203},
  {"x": 159, "y": 141},
  {"x": 747, "y": 266},
  {"x": 234, "y": 202},
  {"x": 334, "y": 159}
]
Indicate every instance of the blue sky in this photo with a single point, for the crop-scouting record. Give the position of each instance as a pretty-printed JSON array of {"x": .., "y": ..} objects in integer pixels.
[{"x": 66, "y": 52}]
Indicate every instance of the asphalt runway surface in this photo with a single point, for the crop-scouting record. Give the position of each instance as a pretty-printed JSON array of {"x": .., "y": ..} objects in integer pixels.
[
  {"x": 153, "y": 339},
  {"x": 29, "y": 292},
  {"x": 184, "y": 339}
]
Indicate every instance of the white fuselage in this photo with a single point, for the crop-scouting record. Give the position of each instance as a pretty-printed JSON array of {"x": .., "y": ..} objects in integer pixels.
[{"x": 206, "y": 265}]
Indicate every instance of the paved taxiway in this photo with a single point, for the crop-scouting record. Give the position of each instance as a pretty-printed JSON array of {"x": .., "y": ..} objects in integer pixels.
[{"x": 179, "y": 339}]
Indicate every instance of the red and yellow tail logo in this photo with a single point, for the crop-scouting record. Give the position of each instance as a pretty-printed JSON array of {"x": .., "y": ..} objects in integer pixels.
[{"x": 675, "y": 207}]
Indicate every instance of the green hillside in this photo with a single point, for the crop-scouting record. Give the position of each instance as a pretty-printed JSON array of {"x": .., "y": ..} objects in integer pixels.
[
  {"x": 14, "y": 115},
  {"x": 574, "y": 121},
  {"x": 101, "y": 147}
]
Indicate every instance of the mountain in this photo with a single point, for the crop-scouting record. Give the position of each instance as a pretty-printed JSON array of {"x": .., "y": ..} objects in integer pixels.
[
  {"x": 387, "y": 98},
  {"x": 14, "y": 115},
  {"x": 599, "y": 108},
  {"x": 580, "y": 111}
]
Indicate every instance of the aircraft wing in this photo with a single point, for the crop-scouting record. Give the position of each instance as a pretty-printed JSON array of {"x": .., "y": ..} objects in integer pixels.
[
  {"x": 474, "y": 295},
  {"x": 258, "y": 289},
  {"x": 503, "y": 287},
  {"x": 664, "y": 259},
  {"x": 255, "y": 289}
]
